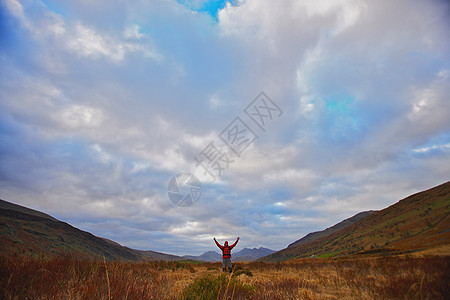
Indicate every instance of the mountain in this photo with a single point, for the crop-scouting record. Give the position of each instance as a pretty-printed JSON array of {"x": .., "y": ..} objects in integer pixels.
[
  {"x": 420, "y": 222},
  {"x": 245, "y": 254},
  {"x": 153, "y": 255},
  {"x": 30, "y": 232},
  {"x": 319, "y": 234},
  {"x": 14, "y": 207},
  {"x": 211, "y": 256},
  {"x": 248, "y": 254}
]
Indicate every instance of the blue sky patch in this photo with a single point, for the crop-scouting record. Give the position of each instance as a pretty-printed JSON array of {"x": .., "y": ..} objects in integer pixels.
[{"x": 210, "y": 7}]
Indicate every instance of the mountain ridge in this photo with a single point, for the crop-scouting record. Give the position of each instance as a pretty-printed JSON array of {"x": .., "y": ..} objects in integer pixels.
[
  {"x": 330, "y": 230},
  {"x": 208, "y": 256},
  {"x": 246, "y": 254},
  {"x": 251, "y": 254},
  {"x": 418, "y": 222},
  {"x": 26, "y": 231},
  {"x": 16, "y": 207}
]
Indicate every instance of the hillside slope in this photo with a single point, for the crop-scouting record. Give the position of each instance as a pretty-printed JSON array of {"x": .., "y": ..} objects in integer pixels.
[
  {"x": 24, "y": 231},
  {"x": 15, "y": 207},
  {"x": 330, "y": 230},
  {"x": 418, "y": 222},
  {"x": 153, "y": 255}
]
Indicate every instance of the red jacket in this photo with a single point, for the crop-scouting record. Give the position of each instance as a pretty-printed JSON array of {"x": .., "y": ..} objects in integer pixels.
[{"x": 226, "y": 249}]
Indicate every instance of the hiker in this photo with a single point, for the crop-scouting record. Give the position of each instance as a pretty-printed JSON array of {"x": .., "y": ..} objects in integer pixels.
[{"x": 226, "y": 254}]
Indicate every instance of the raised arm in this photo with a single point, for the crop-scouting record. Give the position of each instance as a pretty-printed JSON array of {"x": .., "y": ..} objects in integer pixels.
[
  {"x": 218, "y": 245},
  {"x": 232, "y": 246}
]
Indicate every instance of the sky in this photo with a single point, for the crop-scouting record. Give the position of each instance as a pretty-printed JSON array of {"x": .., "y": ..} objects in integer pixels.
[{"x": 103, "y": 102}]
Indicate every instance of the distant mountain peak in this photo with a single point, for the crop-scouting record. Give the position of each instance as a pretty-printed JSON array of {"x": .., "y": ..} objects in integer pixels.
[
  {"x": 210, "y": 256},
  {"x": 249, "y": 254},
  {"x": 246, "y": 254}
]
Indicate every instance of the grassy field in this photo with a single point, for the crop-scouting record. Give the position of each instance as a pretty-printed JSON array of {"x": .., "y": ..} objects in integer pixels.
[{"x": 65, "y": 277}]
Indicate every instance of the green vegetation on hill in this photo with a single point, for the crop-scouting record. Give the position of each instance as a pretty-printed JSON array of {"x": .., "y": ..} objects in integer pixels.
[{"x": 416, "y": 223}]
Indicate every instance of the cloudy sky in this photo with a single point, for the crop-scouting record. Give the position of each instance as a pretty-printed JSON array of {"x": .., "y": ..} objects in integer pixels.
[{"x": 103, "y": 102}]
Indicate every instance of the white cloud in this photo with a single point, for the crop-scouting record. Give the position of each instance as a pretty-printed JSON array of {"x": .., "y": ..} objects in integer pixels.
[
  {"x": 81, "y": 39},
  {"x": 445, "y": 147},
  {"x": 76, "y": 116},
  {"x": 133, "y": 32},
  {"x": 86, "y": 42},
  {"x": 15, "y": 7},
  {"x": 89, "y": 43}
]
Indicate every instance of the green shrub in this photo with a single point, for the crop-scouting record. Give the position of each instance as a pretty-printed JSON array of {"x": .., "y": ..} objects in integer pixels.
[
  {"x": 209, "y": 287},
  {"x": 205, "y": 287}
]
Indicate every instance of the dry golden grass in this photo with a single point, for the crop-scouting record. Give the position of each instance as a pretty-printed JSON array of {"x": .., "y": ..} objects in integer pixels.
[
  {"x": 440, "y": 251},
  {"x": 65, "y": 277}
]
